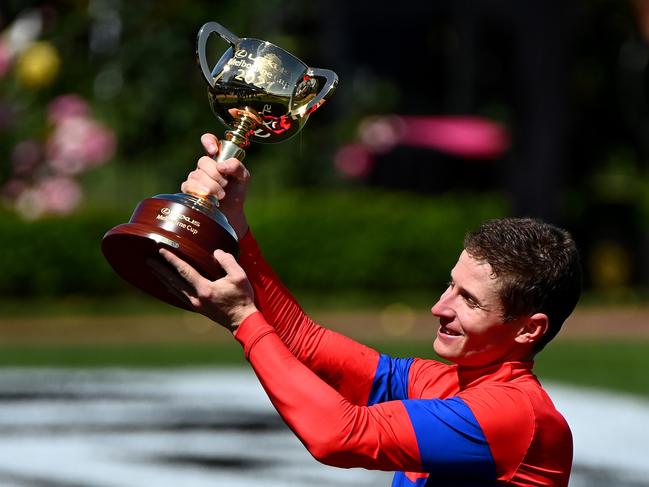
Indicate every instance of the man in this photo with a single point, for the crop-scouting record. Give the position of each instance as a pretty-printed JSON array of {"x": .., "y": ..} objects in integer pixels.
[{"x": 485, "y": 420}]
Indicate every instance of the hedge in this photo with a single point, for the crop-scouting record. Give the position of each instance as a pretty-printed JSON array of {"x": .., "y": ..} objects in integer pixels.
[
  {"x": 317, "y": 241},
  {"x": 55, "y": 256}
]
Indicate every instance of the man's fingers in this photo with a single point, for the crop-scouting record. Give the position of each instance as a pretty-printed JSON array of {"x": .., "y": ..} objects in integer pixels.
[
  {"x": 187, "y": 272},
  {"x": 234, "y": 168},
  {"x": 170, "y": 279},
  {"x": 229, "y": 264},
  {"x": 211, "y": 168},
  {"x": 192, "y": 187},
  {"x": 210, "y": 143},
  {"x": 197, "y": 183}
]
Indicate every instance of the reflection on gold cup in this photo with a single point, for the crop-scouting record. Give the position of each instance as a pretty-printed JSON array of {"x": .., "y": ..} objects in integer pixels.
[{"x": 261, "y": 93}]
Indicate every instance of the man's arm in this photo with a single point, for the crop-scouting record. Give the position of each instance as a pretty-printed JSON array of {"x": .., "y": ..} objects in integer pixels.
[
  {"x": 440, "y": 436},
  {"x": 343, "y": 363}
]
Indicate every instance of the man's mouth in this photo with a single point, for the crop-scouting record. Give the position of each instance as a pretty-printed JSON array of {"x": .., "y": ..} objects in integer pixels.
[{"x": 445, "y": 330}]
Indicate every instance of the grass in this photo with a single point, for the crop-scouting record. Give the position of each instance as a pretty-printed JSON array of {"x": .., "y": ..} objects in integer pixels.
[
  {"x": 603, "y": 364},
  {"x": 128, "y": 356},
  {"x": 615, "y": 365}
]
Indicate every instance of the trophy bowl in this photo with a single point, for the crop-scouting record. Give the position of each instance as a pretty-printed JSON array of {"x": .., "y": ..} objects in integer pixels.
[
  {"x": 264, "y": 79},
  {"x": 261, "y": 93}
]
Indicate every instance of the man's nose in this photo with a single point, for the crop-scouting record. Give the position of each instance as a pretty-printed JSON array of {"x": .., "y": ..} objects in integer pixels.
[{"x": 442, "y": 306}]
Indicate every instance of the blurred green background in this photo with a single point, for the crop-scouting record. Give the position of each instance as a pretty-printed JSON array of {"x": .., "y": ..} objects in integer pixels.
[{"x": 102, "y": 105}]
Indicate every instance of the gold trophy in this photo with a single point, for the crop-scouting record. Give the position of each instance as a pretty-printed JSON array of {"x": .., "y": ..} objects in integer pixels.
[{"x": 261, "y": 93}]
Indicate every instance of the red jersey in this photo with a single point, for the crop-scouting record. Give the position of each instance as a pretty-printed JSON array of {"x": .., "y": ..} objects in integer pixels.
[{"x": 435, "y": 424}]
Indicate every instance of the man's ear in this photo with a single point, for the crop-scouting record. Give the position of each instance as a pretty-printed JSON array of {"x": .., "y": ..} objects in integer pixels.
[{"x": 532, "y": 328}]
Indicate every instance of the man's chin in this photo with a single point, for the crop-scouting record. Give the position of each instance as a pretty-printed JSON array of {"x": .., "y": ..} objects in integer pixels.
[{"x": 443, "y": 352}]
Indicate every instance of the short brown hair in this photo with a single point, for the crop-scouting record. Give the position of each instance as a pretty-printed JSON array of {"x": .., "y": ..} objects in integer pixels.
[{"x": 536, "y": 265}]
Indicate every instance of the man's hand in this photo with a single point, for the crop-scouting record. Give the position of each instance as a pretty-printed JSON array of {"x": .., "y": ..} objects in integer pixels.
[
  {"x": 228, "y": 300},
  {"x": 226, "y": 180}
]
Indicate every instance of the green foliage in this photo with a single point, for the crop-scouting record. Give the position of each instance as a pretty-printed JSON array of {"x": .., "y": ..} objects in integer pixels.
[
  {"x": 317, "y": 241},
  {"x": 377, "y": 242},
  {"x": 135, "y": 63},
  {"x": 606, "y": 364},
  {"x": 54, "y": 256}
]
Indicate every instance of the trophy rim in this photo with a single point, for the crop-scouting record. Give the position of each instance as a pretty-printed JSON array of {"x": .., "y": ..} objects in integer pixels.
[{"x": 276, "y": 47}]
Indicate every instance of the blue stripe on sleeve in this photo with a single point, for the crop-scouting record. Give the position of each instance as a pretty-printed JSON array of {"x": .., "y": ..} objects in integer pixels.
[
  {"x": 451, "y": 441},
  {"x": 400, "y": 480},
  {"x": 390, "y": 380}
]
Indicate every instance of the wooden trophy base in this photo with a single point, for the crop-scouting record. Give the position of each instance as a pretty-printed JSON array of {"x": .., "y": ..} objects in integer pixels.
[{"x": 190, "y": 227}]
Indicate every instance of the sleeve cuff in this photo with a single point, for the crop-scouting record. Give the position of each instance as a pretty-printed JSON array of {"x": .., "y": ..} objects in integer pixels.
[{"x": 251, "y": 330}]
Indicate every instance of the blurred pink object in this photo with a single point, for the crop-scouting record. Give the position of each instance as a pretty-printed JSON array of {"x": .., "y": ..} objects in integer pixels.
[
  {"x": 60, "y": 195},
  {"x": 52, "y": 196},
  {"x": 354, "y": 161},
  {"x": 12, "y": 189},
  {"x": 42, "y": 173},
  {"x": 100, "y": 144},
  {"x": 469, "y": 137},
  {"x": 381, "y": 134},
  {"x": 67, "y": 106},
  {"x": 5, "y": 58},
  {"x": 78, "y": 144}
]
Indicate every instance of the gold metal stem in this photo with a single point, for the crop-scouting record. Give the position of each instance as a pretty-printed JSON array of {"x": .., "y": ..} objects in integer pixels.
[
  {"x": 236, "y": 140},
  {"x": 247, "y": 120}
]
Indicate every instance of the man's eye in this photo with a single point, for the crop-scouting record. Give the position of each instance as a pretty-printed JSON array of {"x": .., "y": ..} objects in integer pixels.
[{"x": 471, "y": 303}]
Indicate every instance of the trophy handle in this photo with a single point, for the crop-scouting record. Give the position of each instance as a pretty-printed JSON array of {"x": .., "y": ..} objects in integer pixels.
[
  {"x": 203, "y": 34},
  {"x": 331, "y": 81}
]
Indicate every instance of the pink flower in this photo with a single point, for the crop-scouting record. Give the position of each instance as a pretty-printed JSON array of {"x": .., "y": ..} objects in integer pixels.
[
  {"x": 51, "y": 196},
  {"x": 64, "y": 148},
  {"x": 67, "y": 106},
  {"x": 78, "y": 144},
  {"x": 60, "y": 195},
  {"x": 354, "y": 161},
  {"x": 100, "y": 144},
  {"x": 42, "y": 181},
  {"x": 5, "y": 58}
]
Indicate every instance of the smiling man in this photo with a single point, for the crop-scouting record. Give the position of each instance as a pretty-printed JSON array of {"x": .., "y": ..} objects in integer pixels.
[{"x": 484, "y": 420}]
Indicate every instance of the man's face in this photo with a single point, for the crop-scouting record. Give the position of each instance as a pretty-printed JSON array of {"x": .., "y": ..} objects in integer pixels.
[{"x": 472, "y": 331}]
